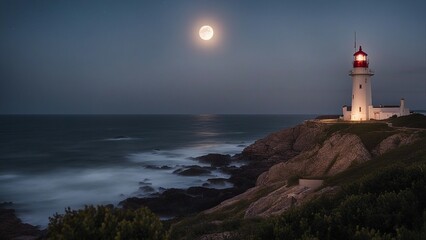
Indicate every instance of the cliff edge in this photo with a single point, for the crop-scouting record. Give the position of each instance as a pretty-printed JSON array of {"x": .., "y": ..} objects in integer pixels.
[{"x": 313, "y": 150}]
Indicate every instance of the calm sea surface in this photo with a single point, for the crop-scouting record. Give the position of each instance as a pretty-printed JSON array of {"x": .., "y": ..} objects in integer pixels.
[{"x": 49, "y": 162}]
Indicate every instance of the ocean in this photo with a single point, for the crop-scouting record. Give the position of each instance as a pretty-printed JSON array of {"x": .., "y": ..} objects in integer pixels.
[{"x": 50, "y": 162}]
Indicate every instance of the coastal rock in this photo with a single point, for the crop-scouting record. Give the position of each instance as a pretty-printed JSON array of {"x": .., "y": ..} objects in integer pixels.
[
  {"x": 217, "y": 181},
  {"x": 215, "y": 160},
  {"x": 285, "y": 144},
  {"x": 12, "y": 227},
  {"x": 249, "y": 195},
  {"x": 393, "y": 142},
  {"x": 274, "y": 203},
  {"x": 192, "y": 171},
  {"x": 280, "y": 200},
  {"x": 147, "y": 189},
  {"x": 177, "y": 202},
  {"x": 335, "y": 155}
]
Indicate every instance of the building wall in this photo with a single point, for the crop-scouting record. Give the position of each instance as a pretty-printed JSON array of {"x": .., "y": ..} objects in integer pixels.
[
  {"x": 379, "y": 113},
  {"x": 382, "y": 113},
  {"x": 361, "y": 93},
  {"x": 346, "y": 114}
]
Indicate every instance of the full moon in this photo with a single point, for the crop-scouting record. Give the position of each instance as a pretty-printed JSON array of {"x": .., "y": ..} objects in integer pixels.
[{"x": 206, "y": 32}]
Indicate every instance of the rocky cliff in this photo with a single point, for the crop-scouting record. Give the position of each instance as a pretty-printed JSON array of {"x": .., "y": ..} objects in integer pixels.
[{"x": 310, "y": 150}]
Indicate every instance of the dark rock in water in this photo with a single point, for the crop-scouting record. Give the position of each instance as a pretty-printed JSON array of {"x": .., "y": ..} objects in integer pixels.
[
  {"x": 215, "y": 160},
  {"x": 192, "y": 171},
  {"x": 245, "y": 177},
  {"x": 180, "y": 202},
  {"x": 229, "y": 169},
  {"x": 11, "y": 227},
  {"x": 164, "y": 167},
  {"x": 217, "y": 181},
  {"x": 147, "y": 189}
]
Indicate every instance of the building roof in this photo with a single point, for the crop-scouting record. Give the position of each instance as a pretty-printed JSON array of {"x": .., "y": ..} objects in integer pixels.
[
  {"x": 386, "y": 106},
  {"x": 360, "y": 52}
]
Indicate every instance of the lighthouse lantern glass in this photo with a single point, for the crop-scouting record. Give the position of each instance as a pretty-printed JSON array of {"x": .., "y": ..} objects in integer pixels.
[{"x": 360, "y": 57}]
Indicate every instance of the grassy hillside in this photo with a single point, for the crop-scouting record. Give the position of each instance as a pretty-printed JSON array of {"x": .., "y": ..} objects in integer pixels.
[
  {"x": 411, "y": 121},
  {"x": 384, "y": 198}
]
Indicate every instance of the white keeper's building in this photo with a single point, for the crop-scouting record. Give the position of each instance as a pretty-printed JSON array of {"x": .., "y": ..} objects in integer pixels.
[{"x": 362, "y": 108}]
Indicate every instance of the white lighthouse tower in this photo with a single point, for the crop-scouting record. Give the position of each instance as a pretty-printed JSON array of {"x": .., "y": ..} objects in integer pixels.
[
  {"x": 362, "y": 108},
  {"x": 361, "y": 87}
]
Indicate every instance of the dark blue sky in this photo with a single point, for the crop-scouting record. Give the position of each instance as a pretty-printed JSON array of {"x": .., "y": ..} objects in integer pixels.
[{"x": 265, "y": 57}]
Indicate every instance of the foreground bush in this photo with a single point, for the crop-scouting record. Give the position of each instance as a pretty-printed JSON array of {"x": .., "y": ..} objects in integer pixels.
[{"x": 105, "y": 222}]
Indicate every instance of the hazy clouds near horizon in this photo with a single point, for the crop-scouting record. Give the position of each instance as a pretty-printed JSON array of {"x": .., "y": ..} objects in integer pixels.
[{"x": 143, "y": 57}]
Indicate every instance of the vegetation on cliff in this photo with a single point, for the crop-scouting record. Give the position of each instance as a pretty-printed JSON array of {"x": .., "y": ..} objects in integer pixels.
[{"x": 106, "y": 222}]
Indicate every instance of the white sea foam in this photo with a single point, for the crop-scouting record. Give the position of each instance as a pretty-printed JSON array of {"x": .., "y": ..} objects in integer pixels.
[
  {"x": 8, "y": 176},
  {"x": 36, "y": 197},
  {"x": 123, "y": 138}
]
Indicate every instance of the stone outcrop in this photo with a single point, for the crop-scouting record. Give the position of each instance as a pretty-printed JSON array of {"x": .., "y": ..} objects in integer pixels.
[
  {"x": 285, "y": 144},
  {"x": 335, "y": 155},
  {"x": 215, "y": 160},
  {"x": 307, "y": 150},
  {"x": 11, "y": 227},
  {"x": 394, "y": 141},
  {"x": 179, "y": 202},
  {"x": 192, "y": 171}
]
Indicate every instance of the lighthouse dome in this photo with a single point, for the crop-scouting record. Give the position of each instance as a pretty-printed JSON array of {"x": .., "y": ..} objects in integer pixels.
[{"x": 360, "y": 59}]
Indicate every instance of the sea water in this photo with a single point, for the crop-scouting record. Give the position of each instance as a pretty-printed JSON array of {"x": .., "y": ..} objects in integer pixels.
[{"x": 50, "y": 162}]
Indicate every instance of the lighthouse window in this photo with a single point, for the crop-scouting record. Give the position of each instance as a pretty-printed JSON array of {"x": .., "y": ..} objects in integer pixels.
[
  {"x": 353, "y": 97},
  {"x": 365, "y": 80},
  {"x": 360, "y": 86},
  {"x": 359, "y": 109}
]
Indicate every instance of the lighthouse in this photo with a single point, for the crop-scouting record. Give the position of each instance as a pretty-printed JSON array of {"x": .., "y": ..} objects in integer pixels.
[
  {"x": 361, "y": 87},
  {"x": 362, "y": 108}
]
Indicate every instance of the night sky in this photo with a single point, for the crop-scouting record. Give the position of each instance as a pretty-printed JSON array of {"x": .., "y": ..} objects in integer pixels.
[{"x": 145, "y": 57}]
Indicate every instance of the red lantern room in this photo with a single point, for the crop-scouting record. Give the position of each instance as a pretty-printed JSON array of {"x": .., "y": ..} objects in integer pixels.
[{"x": 360, "y": 59}]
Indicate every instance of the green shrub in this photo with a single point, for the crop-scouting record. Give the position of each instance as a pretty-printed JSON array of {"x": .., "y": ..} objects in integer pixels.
[
  {"x": 105, "y": 222},
  {"x": 413, "y": 121}
]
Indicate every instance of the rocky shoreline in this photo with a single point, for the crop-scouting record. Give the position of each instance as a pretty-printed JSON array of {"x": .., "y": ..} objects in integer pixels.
[
  {"x": 11, "y": 227},
  {"x": 180, "y": 202},
  {"x": 169, "y": 203},
  {"x": 259, "y": 157}
]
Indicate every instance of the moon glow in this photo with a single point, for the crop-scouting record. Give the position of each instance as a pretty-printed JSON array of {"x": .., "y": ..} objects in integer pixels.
[{"x": 206, "y": 32}]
